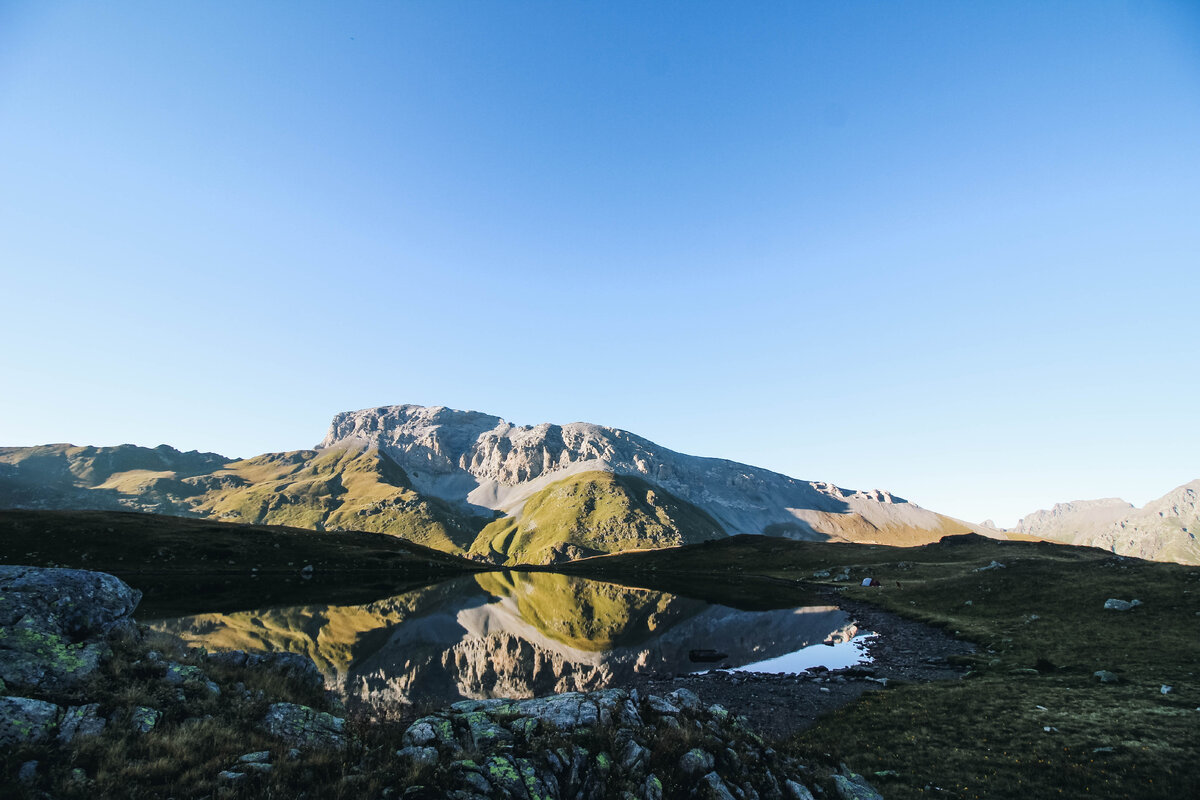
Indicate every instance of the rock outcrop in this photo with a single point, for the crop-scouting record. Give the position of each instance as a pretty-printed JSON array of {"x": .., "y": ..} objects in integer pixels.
[{"x": 637, "y": 747}]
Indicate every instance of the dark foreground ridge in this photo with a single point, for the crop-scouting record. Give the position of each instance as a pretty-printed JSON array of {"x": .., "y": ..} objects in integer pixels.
[{"x": 89, "y": 709}]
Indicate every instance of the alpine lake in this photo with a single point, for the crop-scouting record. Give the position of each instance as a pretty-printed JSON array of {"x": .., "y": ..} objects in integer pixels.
[{"x": 505, "y": 634}]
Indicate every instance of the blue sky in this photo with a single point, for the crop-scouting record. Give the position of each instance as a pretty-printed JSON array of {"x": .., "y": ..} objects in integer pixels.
[{"x": 951, "y": 250}]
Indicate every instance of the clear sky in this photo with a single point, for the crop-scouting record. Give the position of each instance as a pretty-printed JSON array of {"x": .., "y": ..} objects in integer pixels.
[{"x": 947, "y": 249}]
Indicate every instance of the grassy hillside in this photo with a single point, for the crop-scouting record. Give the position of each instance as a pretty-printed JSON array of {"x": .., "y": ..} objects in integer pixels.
[
  {"x": 335, "y": 489},
  {"x": 593, "y": 512},
  {"x": 182, "y": 564}
]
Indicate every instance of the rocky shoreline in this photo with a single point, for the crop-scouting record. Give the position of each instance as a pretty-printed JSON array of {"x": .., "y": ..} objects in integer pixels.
[{"x": 85, "y": 699}]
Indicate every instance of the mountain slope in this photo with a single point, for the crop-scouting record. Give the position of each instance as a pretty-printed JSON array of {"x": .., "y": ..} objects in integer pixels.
[
  {"x": 465, "y": 482},
  {"x": 485, "y": 463},
  {"x": 1162, "y": 530},
  {"x": 589, "y": 513}
]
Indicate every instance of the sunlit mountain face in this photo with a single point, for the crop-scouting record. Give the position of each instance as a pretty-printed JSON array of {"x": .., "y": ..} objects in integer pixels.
[{"x": 513, "y": 634}]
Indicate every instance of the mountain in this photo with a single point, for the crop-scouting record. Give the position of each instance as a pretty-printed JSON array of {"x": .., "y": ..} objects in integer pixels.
[
  {"x": 470, "y": 483},
  {"x": 1162, "y": 530},
  {"x": 486, "y": 464}
]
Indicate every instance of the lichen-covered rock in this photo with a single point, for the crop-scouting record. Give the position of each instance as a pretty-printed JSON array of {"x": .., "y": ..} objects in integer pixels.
[
  {"x": 304, "y": 726},
  {"x": 713, "y": 788},
  {"x": 80, "y": 721},
  {"x": 696, "y": 760},
  {"x": 53, "y": 623},
  {"x": 24, "y": 721},
  {"x": 144, "y": 719},
  {"x": 418, "y": 756},
  {"x": 33, "y": 655},
  {"x": 83, "y": 603},
  {"x": 178, "y": 674}
]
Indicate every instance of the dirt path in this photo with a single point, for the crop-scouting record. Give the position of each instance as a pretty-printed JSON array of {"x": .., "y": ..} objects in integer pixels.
[{"x": 779, "y": 705}]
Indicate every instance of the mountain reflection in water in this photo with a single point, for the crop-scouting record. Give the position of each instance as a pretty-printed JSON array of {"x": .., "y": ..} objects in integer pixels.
[{"x": 511, "y": 634}]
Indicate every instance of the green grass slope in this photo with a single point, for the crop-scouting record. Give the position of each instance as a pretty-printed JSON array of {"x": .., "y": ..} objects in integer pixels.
[
  {"x": 337, "y": 489},
  {"x": 590, "y": 513}
]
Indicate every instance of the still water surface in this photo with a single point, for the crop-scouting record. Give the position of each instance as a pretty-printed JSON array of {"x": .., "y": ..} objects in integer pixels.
[{"x": 515, "y": 634}]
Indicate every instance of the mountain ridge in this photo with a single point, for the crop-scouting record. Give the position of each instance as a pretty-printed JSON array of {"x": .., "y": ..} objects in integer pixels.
[
  {"x": 1162, "y": 530},
  {"x": 472, "y": 484}
]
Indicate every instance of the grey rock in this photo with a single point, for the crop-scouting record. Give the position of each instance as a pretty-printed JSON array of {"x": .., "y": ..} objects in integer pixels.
[
  {"x": 633, "y": 756},
  {"x": 713, "y": 788},
  {"x": 23, "y": 720},
  {"x": 477, "y": 782},
  {"x": 853, "y": 786},
  {"x": 797, "y": 791},
  {"x": 993, "y": 565},
  {"x": 143, "y": 719},
  {"x": 257, "y": 766},
  {"x": 304, "y": 727},
  {"x": 566, "y": 711},
  {"x": 418, "y": 756},
  {"x": 178, "y": 674},
  {"x": 28, "y": 772},
  {"x": 259, "y": 756},
  {"x": 231, "y": 776},
  {"x": 80, "y": 721},
  {"x": 434, "y": 729},
  {"x": 695, "y": 760},
  {"x": 53, "y": 623},
  {"x": 483, "y": 733},
  {"x": 1106, "y": 677},
  {"x": 81, "y": 603},
  {"x": 652, "y": 788},
  {"x": 1116, "y": 604},
  {"x": 661, "y": 705},
  {"x": 685, "y": 698},
  {"x": 34, "y": 655}
]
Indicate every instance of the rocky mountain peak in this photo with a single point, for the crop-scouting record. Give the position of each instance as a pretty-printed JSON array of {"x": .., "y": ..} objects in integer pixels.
[{"x": 488, "y": 463}]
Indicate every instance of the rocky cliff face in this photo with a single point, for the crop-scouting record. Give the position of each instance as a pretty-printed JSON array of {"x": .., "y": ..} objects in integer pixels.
[
  {"x": 1163, "y": 530},
  {"x": 485, "y": 463}
]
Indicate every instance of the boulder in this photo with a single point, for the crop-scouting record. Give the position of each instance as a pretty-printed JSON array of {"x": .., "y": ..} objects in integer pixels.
[
  {"x": 144, "y": 719},
  {"x": 54, "y": 622},
  {"x": 80, "y": 721},
  {"x": 696, "y": 760},
  {"x": 1116, "y": 604},
  {"x": 26, "y": 721},
  {"x": 852, "y": 786},
  {"x": 83, "y": 603},
  {"x": 304, "y": 726}
]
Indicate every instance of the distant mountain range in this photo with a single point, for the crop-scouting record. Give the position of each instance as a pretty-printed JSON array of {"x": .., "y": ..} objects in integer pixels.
[
  {"x": 1163, "y": 530},
  {"x": 470, "y": 483}
]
